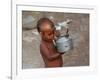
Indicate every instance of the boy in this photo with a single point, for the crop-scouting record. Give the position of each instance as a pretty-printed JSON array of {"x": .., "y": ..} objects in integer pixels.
[{"x": 47, "y": 49}]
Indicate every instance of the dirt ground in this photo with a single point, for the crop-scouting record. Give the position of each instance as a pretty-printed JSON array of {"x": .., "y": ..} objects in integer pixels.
[{"x": 78, "y": 31}]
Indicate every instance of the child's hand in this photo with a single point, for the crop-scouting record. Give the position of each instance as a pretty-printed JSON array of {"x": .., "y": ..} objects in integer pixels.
[{"x": 62, "y": 53}]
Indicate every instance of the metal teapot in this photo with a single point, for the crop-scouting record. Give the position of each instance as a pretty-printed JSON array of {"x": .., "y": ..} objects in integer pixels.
[{"x": 63, "y": 42}]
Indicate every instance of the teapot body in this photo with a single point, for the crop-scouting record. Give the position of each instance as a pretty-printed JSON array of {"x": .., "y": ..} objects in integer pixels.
[
  {"x": 63, "y": 41},
  {"x": 63, "y": 44}
]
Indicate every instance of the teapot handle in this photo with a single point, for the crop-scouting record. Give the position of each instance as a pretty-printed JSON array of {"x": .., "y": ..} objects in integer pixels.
[
  {"x": 67, "y": 30},
  {"x": 67, "y": 34}
]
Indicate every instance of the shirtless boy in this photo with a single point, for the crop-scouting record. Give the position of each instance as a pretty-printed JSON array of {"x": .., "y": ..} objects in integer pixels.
[{"x": 48, "y": 51}]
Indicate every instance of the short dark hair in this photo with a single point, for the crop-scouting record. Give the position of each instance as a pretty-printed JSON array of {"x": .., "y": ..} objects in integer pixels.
[{"x": 43, "y": 20}]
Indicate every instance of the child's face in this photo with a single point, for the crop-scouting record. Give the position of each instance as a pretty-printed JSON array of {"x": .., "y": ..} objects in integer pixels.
[{"x": 47, "y": 32}]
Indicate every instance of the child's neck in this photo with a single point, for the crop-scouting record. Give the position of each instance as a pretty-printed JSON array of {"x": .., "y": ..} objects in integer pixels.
[{"x": 50, "y": 42}]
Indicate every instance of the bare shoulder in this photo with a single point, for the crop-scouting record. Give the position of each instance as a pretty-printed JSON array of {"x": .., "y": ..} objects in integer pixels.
[{"x": 42, "y": 46}]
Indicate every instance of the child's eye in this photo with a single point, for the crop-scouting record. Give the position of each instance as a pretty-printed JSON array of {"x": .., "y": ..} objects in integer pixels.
[{"x": 50, "y": 33}]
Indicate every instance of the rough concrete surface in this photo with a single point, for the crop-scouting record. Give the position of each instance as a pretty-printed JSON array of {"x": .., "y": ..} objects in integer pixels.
[{"x": 78, "y": 30}]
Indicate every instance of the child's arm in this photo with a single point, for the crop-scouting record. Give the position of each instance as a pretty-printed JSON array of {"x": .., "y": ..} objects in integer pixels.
[{"x": 46, "y": 53}]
